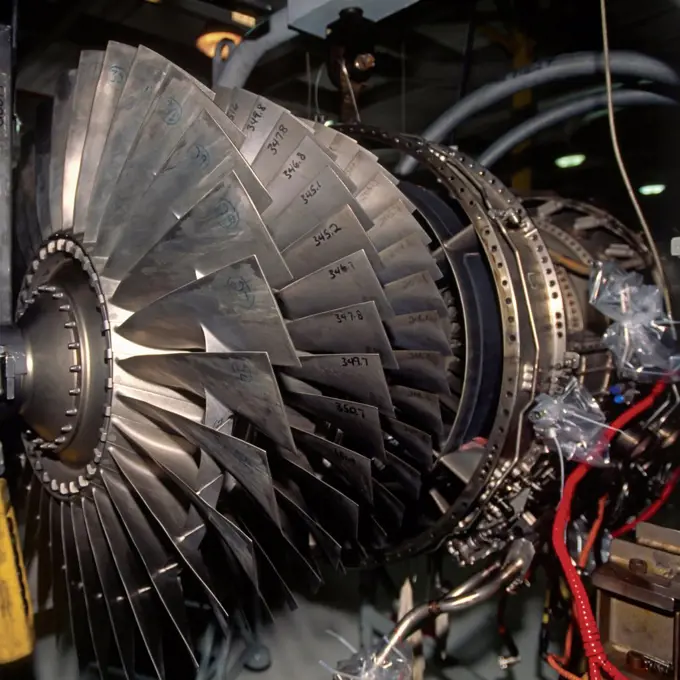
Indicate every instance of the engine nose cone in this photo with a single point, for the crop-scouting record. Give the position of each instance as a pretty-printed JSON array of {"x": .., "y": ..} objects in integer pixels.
[{"x": 64, "y": 395}]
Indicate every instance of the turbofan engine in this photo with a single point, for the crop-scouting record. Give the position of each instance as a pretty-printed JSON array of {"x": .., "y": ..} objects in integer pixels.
[{"x": 249, "y": 349}]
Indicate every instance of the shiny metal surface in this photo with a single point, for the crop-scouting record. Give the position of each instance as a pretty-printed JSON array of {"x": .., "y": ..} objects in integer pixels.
[
  {"x": 82, "y": 99},
  {"x": 349, "y": 280},
  {"x": 355, "y": 328},
  {"x": 5, "y": 176},
  {"x": 115, "y": 68},
  {"x": 338, "y": 236},
  {"x": 288, "y": 345},
  {"x": 324, "y": 196}
]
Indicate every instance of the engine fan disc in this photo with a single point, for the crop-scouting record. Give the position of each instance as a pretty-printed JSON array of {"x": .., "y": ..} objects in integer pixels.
[{"x": 249, "y": 351}]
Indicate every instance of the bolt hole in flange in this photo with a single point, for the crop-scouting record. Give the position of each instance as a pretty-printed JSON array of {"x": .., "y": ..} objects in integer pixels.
[{"x": 64, "y": 394}]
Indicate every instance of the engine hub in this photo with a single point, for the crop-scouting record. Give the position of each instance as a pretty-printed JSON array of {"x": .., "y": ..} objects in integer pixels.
[{"x": 65, "y": 394}]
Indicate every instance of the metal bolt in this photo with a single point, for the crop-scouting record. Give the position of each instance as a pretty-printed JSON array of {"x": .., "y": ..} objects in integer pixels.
[
  {"x": 71, "y": 412},
  {"x": 637, "y": 566},
  {"x": 70, "y": 324},
  {"x": 74, "y": 392},
  {"x": 76, "y": 368},
  {"x": 64, "y": 308},
  {"x": 74, "y": 345},
  {"x": 66, "y": 428}
]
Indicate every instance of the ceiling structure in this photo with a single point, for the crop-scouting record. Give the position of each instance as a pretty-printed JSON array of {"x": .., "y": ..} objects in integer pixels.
[{"x": 426, "y": 56}]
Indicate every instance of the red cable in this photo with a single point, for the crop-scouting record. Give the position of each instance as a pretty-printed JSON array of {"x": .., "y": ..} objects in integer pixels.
[
  {"x": 590, "y": 635},
  {"x": 653, "y": 508}
]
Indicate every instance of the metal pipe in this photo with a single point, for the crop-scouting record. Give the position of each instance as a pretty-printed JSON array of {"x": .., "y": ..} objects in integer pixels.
[
  {"x": 242, "y": 62},
  {"x": 564, "y": 112},
  {"x": 449, "y": 604},
  {"x": 474, "y": 580},
  {"x": 625, "y": 64}
]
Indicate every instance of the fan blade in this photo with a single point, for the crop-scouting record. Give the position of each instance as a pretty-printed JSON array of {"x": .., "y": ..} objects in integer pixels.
[
  {"x": 418, "y": 331},
  {"x": 118, "y": 59},
  {"x": 61, "y": 118},
  {"x": 350, "y": 466},
  {"x": 241, "y": 103},
  {"x": 347, "y": 281},
  {"x": 394, "y": 224},
  {"x": 74, "y": 591},
  {"x": 338, "y": 513},
  {"x": 296, "y": 174},
  {"x": 261, "y": 121},
  {"x": 97, "y": 615},
  {"x": 405, "y": 257},
  {"x": 357, "y": 328},
  {"x": 59, "y": 583},
  {"x": 283, "y": 139},
  {"x": 163, "y": 571},
  {"x": 422, "y": 370},
  {"x": 247, "y": 463},
  {"x": 234, "y": 304},
  {"x": 136, "y": 585},
  {"x": 167, "y": 512},
  {"x": 146, "y": 74},
  {"x": 415, "y": 293},
  {"x": 359, "y": 376},
  {"x": 422, "y": 407},
  {"x": 87, "y": 75},
  {"x": 292, "y": 498},
  {"x": 338, "y": 236},
  {"x": 178, "y": 103},
  {"x": 200, "y": 150},
  {"x": 222, "y": 228},
  {"x": 244, "y": 382},
  {"x": 120, "y": 614},
  {"x": 325, "y": 195},
  {"x": 360, "y": 423},
  {"x": 379, "y": 194},
  {"x": 414, "y": 444}
]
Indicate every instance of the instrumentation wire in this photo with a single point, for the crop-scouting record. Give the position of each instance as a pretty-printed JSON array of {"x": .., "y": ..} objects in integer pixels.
[
  {"x": 590, "y": 636},
  {"x": 572, "y": 265},
  {"x": 619, "y": 158},
  {"x": 653, "y": 508}
]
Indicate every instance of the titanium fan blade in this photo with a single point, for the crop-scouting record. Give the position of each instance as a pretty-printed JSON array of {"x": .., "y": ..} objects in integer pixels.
[
  {"x": 347, "y": 281},
  {"x": 356, "y": 328},
  {"x": 114, "y": 72},
  {"x": 339, "y": 235},
  {"x": 244, "y": 382},
  {"x": 234, "y": 305},
  {"x": 359, "y": 376},
  {"x": 82, "y": 99},
  {"x": 325, "y": 195},
  {"x": 257, "y": 342},
  {"x": 223, "y": 227},
  {"x": 245, "y": 462}
]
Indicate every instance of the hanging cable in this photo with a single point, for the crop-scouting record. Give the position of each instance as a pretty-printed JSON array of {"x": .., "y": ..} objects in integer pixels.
[
  {"x": 317, "y": 80},
  {"x": 619, "y": 159}
]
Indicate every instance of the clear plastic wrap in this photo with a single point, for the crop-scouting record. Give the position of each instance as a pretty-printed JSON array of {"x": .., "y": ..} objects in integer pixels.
[
  {"x": 640, "y": 337},
  {"x": 363, "y": 666},
  {"x": 571, "y": 424}
]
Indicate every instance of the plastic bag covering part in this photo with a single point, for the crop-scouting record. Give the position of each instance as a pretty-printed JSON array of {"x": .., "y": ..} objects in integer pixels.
[
  {"x": 363, "y": 666},
  {"x": 639, "y": 337},
  {"x": 571, "y": 424}
]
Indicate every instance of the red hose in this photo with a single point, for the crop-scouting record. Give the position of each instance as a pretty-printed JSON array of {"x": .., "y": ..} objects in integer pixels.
[
  {"x": 590, "y": 635},
  {"x": 653, "y": 508}
]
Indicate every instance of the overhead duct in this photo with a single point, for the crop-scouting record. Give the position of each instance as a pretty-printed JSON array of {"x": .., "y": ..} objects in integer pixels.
[{"x": 623, "y": 64}]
